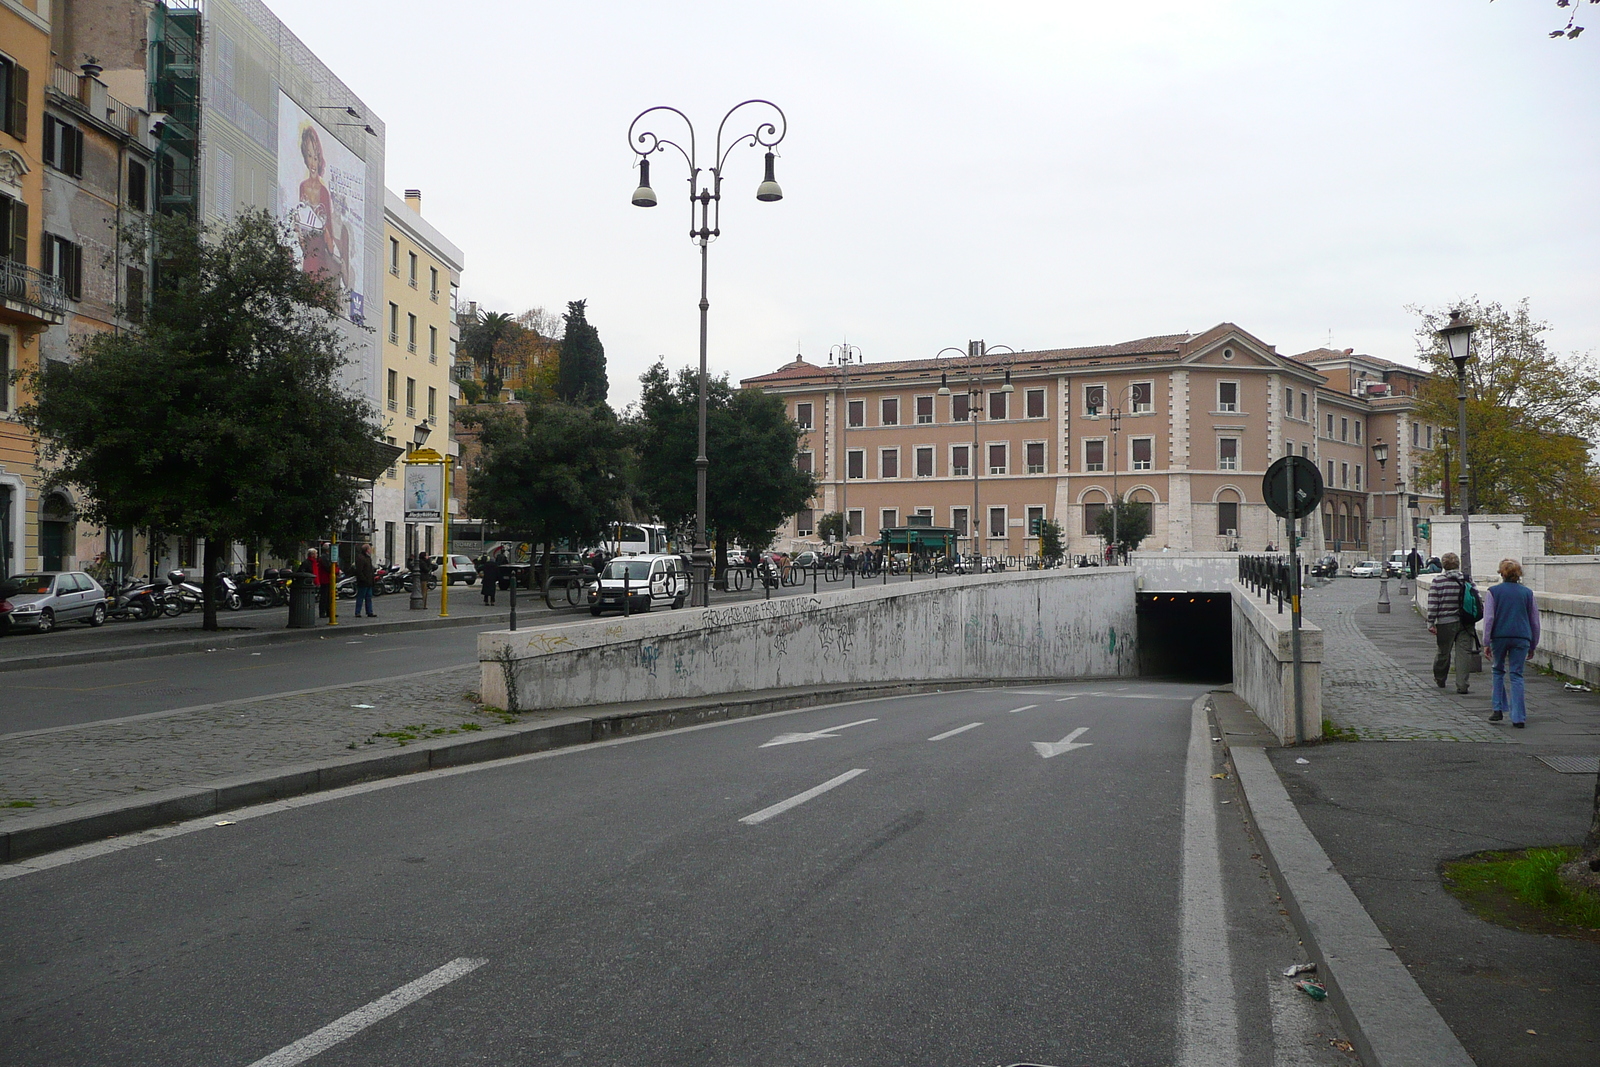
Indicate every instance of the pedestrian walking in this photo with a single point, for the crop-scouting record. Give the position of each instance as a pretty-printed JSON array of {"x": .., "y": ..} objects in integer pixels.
[
  {"x": 1414, "y": 563},
  {"x": 366, "y": 573},
  {"x": 493, "y": 570},
  {"x": 1510, "y": 633},
  {"x": 1455, "y": 640}
]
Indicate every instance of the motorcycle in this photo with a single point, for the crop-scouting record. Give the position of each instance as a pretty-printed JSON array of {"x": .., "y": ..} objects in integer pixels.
[
  {"x": 262, "y": 592},
  {"x": 132, "y": 599}
]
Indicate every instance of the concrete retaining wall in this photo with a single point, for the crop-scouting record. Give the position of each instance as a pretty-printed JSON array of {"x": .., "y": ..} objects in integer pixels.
[
  {"x": 1185, "y": 572},
  {"x": 1263, "y": 665},
  {"x": 1045, "y": 624},
  {"x": 1572, "y": 575}
]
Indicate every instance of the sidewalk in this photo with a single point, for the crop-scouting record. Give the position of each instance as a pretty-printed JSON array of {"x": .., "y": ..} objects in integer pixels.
[{"x": 1388, "y": 815}]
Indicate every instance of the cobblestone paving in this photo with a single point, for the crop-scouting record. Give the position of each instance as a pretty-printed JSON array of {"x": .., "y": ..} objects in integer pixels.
[
  {"x": 1366, "y": 691},
  {"x": 97, "y": 761}
]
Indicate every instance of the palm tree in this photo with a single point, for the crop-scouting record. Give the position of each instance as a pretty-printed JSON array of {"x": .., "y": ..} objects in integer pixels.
[{"x": 485, "y": 342}]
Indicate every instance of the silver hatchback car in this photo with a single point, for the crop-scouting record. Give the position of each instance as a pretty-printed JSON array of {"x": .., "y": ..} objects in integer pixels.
[{"x": 45, "y": 599}]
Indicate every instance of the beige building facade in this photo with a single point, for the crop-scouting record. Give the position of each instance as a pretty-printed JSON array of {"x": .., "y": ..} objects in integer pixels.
[{"x": 1188, "y": 423}]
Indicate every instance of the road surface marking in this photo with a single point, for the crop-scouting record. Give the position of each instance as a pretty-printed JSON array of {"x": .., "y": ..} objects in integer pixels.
[
  {"x": 1047, "y": 749},
  {"x": 1025, "y": 707},
  {"x": 799, "y": 798},
  {"x": 1060, "y": 699},
  {"x": 349, "y": 1025},
  {"x": 816, "y": 735},
  {"x": 1208, "y": 1021},
  {"x": 957, "y": 730}
]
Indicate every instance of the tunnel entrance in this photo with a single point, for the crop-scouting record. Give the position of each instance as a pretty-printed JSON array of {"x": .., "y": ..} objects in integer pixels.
[{"x": 1186, "y": 636}]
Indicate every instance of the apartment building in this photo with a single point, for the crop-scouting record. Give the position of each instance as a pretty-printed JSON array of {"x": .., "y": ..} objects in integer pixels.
[
  {"x": 1188, "y": 423},
  {"x": 422, "y": 277}
]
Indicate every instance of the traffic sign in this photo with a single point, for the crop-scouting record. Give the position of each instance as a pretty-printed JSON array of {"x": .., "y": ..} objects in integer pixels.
[{"x": 1308, "y": 488}]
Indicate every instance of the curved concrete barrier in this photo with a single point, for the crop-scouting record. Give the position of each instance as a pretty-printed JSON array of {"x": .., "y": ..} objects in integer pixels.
[{"x": 1036, "y": 624}]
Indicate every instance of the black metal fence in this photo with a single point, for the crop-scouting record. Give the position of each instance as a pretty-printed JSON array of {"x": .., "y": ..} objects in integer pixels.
[{"x": 1271, "y": 576}]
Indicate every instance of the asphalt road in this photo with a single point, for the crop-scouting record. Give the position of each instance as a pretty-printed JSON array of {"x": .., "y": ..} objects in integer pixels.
[{"x": 898, "y": 881}]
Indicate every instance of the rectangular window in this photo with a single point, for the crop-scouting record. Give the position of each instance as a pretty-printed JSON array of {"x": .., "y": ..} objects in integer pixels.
[
  {"x": 138, "y": 186},
  {"x": 1227, "y": 396},
  {"x": 412, "y": 278},
  {"x": 888, "y": 517},
  {"x": 1288, "y": 448},
  {"x": 960, "y": 465},
  {"x": 960, "y": 407},
  {"x": 1329, "y": 434},
  {"x": 921, "y": 517},
  {"x": 958, "y": 520},
  {"x": 1428, "y": 435},
  {"x": 1344, "y": 429},
  {"x": 1094, "y": 455},
  {"x": 889, "y": 463},
  {"x": 394, "y": 257},
  {"x": 394, "y": 324},
  {"x": 63, "y": 260},
  {"x": 856, "y": 463},
  {"x": 1228, "y": 453},
  {"x": 1091, "y": 517},
  {"x": 1035, "y": 520},
  {"x": 411, "y": 398},
  {"x": 1288, "y": 403},
  {"x": 433, "y": 344},
  {"x": 997, "y": 407},
  {"x": 63, "y": 146},
  {"x": 1305, "y": 450},
  {"x": 1416, "y": 433},
  {"x": 925, "y": 461},
  {"x": 857, "y": 414},
  {"x": 855, "y": 522},
  {"x": 1228, "y": 518},
  {"x": 388, "y": 540},
  {"x": 1144, "y": 397},
  {"x": 924, "y": 409},
  {"x": 133, "y": 295},
  {"x": 889, "y": 411},
  {"x": 1358, "y": 431},
  {"x": 1358, "y": 476},
  {"x": 997, "y": 459},
  {"x": 1035, "y": 408},
  {"x": 802, "y": 415},
  {"x": 1344, "y": 475},
  {"x": 1329, "y": 480},
  {"x": 1035, "y": 457},
  {"x": 997, "y": 522},
  {"x": 1144, "y": 452},
  {"x": 1094, "y": 400},
  {"x": 1303, "y": 411},
  {"x": 433, "y": 403},
  {"x": 411, "y": 333},
  {"x": 433, "y": 284},
  {"x": 802, "y": 462},
  {"x": 394, "y": 391},
  {"x": 804, "y": 522}
]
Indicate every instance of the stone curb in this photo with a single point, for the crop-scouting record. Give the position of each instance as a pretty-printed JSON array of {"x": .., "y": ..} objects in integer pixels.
[
  {"x": 36, "y": 835},
  {"x": 1388, "y": 1018}
]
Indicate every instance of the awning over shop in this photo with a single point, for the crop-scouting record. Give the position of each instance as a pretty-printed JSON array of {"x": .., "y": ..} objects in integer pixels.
[{"x": 914, "y": 538}]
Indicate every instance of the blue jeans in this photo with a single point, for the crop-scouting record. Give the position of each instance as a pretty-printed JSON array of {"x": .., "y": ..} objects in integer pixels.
[
  {"x": 363, "y": 596},
  {"x": 1510, "y": 653}
]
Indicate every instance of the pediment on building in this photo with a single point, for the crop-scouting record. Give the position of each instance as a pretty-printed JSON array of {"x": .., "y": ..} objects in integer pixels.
[
  {"x": 1226, "y": 345},
  {"x": 12, "y": 168}
]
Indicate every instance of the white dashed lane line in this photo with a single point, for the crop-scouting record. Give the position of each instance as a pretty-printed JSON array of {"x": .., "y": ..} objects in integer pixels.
[{"x": 957, "y": 730}]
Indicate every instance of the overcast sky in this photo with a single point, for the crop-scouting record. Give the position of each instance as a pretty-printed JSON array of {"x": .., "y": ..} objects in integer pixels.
[{"x": 1040, "y": 174}]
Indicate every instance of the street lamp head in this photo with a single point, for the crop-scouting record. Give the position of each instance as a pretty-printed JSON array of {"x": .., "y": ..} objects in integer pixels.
[
  {"x": 419, "y": 434},
  {"x": 644, "y": 196},
  {"x": 1008, "y": 387},
  {"x": 768, "y": 190},
  {"x": 1380, "y": 452},
  {"x": 1458, "y": 339},
  {"x": 944, "y": 384}
]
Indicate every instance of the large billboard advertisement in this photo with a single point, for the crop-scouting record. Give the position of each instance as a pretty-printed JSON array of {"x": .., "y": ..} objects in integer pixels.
[{"x": 322, "y": 187}]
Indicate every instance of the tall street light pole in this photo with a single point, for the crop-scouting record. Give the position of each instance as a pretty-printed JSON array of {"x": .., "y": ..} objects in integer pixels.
[
  {"x": 977, "y": 367},
  {"x": 705, "y": 198},
  {"x": 844, "y": 356},
  {"x": 1380, "y": 452},
  {"x": 1457, "y": 337}
]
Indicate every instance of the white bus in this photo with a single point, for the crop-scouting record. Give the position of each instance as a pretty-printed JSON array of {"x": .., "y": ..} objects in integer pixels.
[{"x": 635, "y": 539}]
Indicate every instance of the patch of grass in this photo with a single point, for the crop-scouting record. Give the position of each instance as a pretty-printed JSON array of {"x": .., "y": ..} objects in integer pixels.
[
  {"x": 20, "y": 804},
  {"x": 1523, "y": 890},
  {"x": 471, "y": 726},
  {"x": 1332, "y": 731}
]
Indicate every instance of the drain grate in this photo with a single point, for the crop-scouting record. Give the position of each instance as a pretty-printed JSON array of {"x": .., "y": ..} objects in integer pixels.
[{"x": 1572, "y": 764}]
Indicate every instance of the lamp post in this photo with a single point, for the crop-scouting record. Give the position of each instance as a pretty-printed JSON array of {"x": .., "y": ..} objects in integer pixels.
[
  {"x": 844, "y": 356},
  {"x": 705, "y": 197},
  {"x": 974, "y": 364},
  {"x": 1380, "y": 452},
  {"x": 1116, "y": 499},
  {"x": 1403, "y": 519},
  {"x": 1457, "y": 337}
]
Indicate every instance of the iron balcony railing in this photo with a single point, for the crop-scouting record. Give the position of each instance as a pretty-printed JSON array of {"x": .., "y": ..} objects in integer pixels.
[{"x": 32, "y": 288}]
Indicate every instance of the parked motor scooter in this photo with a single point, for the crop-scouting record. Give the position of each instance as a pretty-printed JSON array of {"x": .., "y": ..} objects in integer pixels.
[{"x": 132, "y": 599}]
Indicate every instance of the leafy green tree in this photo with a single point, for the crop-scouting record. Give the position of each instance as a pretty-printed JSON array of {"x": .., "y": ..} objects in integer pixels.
[
  {"x": 831, "y": 525},
  {"x": 1530, "y": 419},
  {"x": 220, "y": 414},
  {"x": 582, "y": 373},
  {"x": 753, "y": 483},
  {"x": 1132, "y": 519},
  {"x": 487, "y": 342},
  {"x": 1051, "y": 548}
]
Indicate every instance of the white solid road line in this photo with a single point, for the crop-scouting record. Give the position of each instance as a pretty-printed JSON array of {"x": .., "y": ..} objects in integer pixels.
[
  {"x": 1208, "y": 1023},
  {"x": 349, "y": 1025},
  {"x": 815, "y": 735},
  {"x": 800, "y": 798},
  {"x": 957, "y": 730},
  {"x": 1025, "y": 707}
]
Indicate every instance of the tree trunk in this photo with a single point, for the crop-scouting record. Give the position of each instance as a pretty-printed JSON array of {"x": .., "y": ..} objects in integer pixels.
[{"x": 208, "y": 583}]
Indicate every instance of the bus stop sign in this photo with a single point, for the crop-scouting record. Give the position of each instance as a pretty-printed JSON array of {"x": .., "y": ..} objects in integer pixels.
[{"x": 1308, "y": 487}]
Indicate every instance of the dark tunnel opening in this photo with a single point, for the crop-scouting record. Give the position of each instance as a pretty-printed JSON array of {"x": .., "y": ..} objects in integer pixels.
[{"x": 1186, "y": 636}]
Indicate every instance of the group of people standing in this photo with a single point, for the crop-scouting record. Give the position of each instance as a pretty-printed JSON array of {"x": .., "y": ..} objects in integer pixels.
[{"x": 1510, "y": 616}]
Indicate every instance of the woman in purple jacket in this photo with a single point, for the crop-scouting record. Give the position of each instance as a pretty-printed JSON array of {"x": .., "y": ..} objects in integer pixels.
[{"x": 1510, "y": 632}]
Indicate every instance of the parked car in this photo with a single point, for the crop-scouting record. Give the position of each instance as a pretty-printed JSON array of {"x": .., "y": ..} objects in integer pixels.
[
  {"x": 1367, "y": 568},
  {"x": 642, "y": 582},
  {"x": 461, "y": 568},
  {"x": 1326, "y": 567},
  {"x": 45, "y": 599}
]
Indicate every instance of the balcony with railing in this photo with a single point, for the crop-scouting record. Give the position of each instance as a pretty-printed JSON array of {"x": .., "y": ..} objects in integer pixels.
[{"x": 30, "y": 296}]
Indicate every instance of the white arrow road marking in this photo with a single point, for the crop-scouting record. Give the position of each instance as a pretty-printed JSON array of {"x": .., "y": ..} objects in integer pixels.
[
  {"x": 1025, "y": 707},
  {"x": 789, "y": 739},
  {"x": 358, "y": 1020},
  {"x": 1066, "y": 744},
  {"x": 957, "y": 730},
  {"x": 799, "y": 798}
]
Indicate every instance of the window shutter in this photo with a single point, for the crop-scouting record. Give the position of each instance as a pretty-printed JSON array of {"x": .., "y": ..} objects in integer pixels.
[
  {"x": 19, "y": 231},
  {"x": 135, "y": 295},
  {"x": 17, "y": 120},
  {"x": 76, "y": 263},
  {"x": 50, "y": 127}
]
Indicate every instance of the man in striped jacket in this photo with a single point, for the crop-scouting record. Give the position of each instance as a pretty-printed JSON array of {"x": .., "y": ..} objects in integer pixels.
[{"x": 1444, "y": 622}]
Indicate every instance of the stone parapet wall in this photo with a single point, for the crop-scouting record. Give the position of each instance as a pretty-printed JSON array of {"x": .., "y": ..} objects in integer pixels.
[
  {"x": 1030, "y": 625},
  {"x": 1569, "y": 629},
  {"x": 1263, "y": 665}
]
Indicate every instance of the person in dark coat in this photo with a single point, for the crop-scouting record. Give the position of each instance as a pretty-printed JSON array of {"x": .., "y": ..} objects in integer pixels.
[
  {"x": 366, "y": 573},
  {"x": 493, "y": 570},
  {"x": 1510, "y": 632}
]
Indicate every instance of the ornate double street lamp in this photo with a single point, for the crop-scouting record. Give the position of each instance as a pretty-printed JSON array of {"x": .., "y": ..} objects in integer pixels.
[
  {"x": 976, "y": 365},
  {"x": 705, "y": 216},
  {"x": 844, "y": 356},
  {"x": 1457, "y": 337},
  {"x": 1380, "y": 452}
]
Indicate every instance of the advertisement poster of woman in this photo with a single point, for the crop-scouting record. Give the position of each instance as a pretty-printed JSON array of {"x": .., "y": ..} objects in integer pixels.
[
  {"x": 322, "y": 187},
  {"x": 424, "y": 488}
]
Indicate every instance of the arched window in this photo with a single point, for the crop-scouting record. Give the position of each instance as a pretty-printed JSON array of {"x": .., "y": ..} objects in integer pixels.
[
  {"x": 1228, "y": 513},
  {"x": 1094, "y": 505}
]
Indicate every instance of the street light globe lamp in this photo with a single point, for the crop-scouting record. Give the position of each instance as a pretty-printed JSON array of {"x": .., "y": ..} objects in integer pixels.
[{"x": 1380, "y": 452}]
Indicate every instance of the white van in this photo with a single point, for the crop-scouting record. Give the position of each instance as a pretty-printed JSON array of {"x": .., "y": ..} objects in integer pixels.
[{"x": 642, "y": 582}]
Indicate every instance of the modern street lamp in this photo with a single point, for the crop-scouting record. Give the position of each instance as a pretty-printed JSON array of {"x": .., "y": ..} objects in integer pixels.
[
  {"x": 706, "y": 198},
  {"x": 974, "y": 364},
  {"x": 844, "y": 356},
  {"x": 1380, "y": 452},
  {"x": 1457, "y": 337}
]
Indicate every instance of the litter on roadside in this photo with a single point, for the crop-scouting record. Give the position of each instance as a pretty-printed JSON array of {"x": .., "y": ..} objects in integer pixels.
[
  {"x": 1574, "y": 687},
  {"x": 1223, "y": 774},
  {"x": 1301, "y": 759},
  {"x": 1299, "y": 968},
  {"x": 363, "y": 705},
  {"x": 1312, "y": 989},
  {"x": 223, "y": 822}
]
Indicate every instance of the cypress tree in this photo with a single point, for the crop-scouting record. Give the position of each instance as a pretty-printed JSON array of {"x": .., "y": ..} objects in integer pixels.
[{"x": 582, "y": 373}]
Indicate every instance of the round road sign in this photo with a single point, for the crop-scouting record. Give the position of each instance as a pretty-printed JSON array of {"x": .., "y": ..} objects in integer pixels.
[{"x": 1307, "y": 486}]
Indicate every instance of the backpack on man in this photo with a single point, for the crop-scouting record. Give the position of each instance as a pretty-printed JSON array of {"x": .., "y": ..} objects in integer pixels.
[{"x": 1471, "y": 605}]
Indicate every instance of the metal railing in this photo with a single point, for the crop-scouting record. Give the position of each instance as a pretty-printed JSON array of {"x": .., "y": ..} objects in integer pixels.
[
  {"x": 27, "y": 285},
  {"x": 1271, "y": 576}
]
